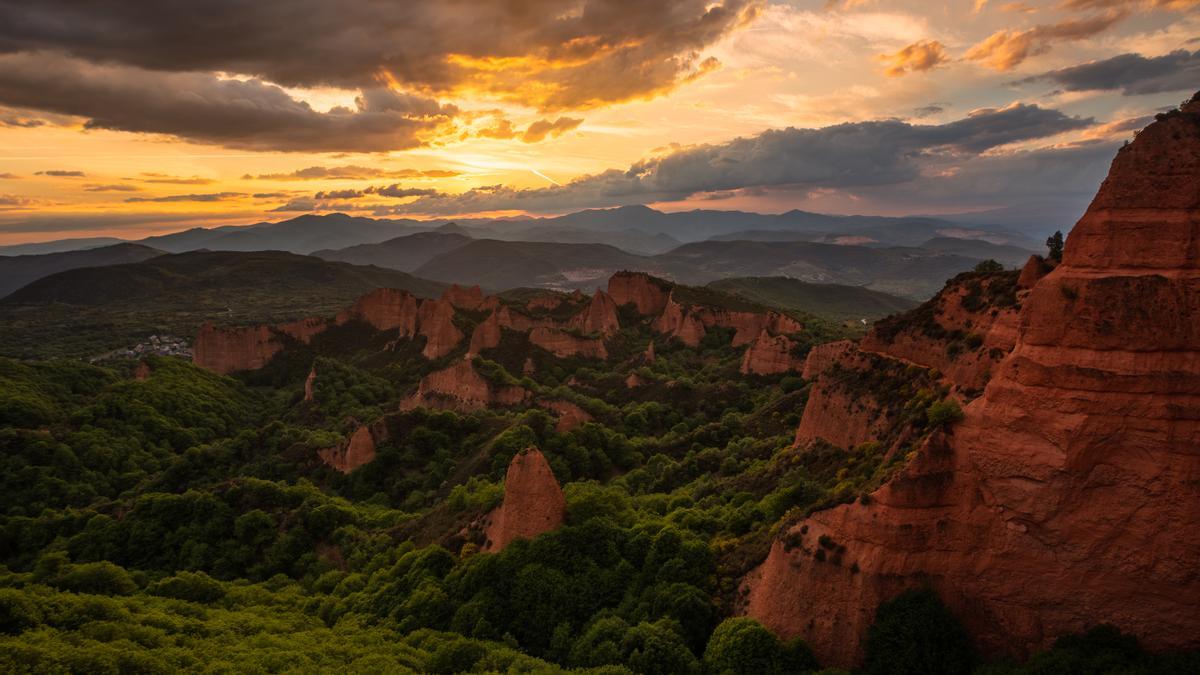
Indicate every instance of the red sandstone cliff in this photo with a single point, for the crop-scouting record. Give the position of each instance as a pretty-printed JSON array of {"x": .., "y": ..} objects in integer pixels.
[
  {"x": 533, "y": 502},
  {"x": 385, "y": 309},
  {"x": 562, "y": 344},
  {"x": 569, "y": 415},
  {"x": 1070, "y": 494},
  {"x": 310, "y": 383},
  {"x": 639, "y": 289},
  {"x": 463, "y": 298},
  {"x": 769, "y": 355},
  {"x": 226, "y": 350},
  {"x": 485, "y": 336},
  {"x": 436, "y": 323},
  {"x": 460, "y": 387},
  {"x": 357, "y": 451},
  {"x": 600, "y": 316},
  {"x": 681, "y": 323}
]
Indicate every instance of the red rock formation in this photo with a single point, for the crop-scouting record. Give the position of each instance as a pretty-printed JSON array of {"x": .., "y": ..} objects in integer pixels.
[
  {"x": 546, "y": 302},
  {"x": 569, "y": 415},
  {"x": 1070, "y": 494},
  {"x": 436, "y": 323},
  {"x": 836, "y": 414},
  {"x": 770, "y": 355},
  {"x": 385, "y": 309},
  {"x": 519, "y": 321},
  {"x": 679, "y": 322},
  {"x": 965, "y": 341},
  {"x": 634, "y": 381},
  {"x": 528, "y": 369},
  {"x": 303, "y": 330},
  {"x": 645, "y": 292},
  {"x": 648, "y": 356},
  {"x": 748, "y": 325},
  {"x": 142, "y": 372},
  {"x": 1035, "y": 268},
  {"x": 309, "y": 383},
  {"x": 600, "y": 316},
  {"x": 461, "y": 388},
  {"x": 822, "y": 357},
  {"x": 563, "y": 344},
  {"x": 229, "y": 349},
  {"x": 485, "y": 336},
  {"x": 357, "y": 451},
  {"x": 463, "y": 298},
  {"x": 533, "y": 502}
]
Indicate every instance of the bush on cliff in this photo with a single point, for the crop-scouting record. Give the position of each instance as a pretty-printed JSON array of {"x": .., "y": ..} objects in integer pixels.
[
  {"x": 915, "y": 634},
  {"x": 742, "y": 646}
]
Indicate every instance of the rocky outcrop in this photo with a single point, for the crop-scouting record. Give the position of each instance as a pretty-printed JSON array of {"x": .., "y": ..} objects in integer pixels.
[
  {"x": 547, "y": 303},
  {"x": 964, "y": 331},
  {"x": 1070, "y": 494},
  {"x": 303, "y": 330},
  {"x": 436, "y": 324},
  {"x": 533, "y": 502},
  {"x": 1035, "y": 268},
  {"x": 747, "y": 325},
  {"x": 600, "y": 316},
  {"x": 310, "y": 383},
  {"x": 463, "y": 298},
  {"x": 460, "y": 387},
  {"x": 770, "y": 355},
  {"x": 641, "y": 290},
  {"x": 485, "y": 336},
  {"x": 648, "y": 356},
  {"x": 850, "y": 403},
  {"x": 679, "y": 322},
  {"x": 226, "y": 350},
  {"x": 822, "y": 357},
  {"x": 569, "y": 415},
  {"x": 358, "y": 450},
  {"x": 142, "y": 372},
  {"x": 563, "y": 344},
  {"x": 385, "y": 309}
]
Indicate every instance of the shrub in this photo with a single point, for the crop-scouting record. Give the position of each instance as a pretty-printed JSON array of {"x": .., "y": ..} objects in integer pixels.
[
  {"x": 17, "y": 612},
  {"x": 742, "y": 645},
  {"x": 191, "y": 586},
  {"x": 989, "y": 265},
  {"x": 944, "y": 413},
  {"x": 915, "y": 633},
  {"x": 101, "y": 578},
  {"x": 455, "y": 656}
]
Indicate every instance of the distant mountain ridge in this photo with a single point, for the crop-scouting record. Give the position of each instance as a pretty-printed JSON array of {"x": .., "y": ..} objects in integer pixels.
[{"x": 17, "y": 271}]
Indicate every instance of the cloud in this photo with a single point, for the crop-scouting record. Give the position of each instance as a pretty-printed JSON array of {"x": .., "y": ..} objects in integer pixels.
[
  {"x": 248, "y": 114},
  {"x": 543, "y": 129},
  {"x": 918, "y": 56},
  {"x": 1131, "y": 74},
  {"x": 61, "y": 173},
  {"x": 1178, "y": 5},
  {"x": 1006, "y": 49},
  {"x": 340, "y": 194},
  {"x": 113, "y": 187},
  {"x": 8, "y": 202},
  {"x": 352, "y": 172},
  {"x": 208, "y": 197},
  {"x": 9, "y": 176},
  {"x": 548, "y": 53},
  {"x": 163, "y": 178},
  {"x": 851, "y": 155}
]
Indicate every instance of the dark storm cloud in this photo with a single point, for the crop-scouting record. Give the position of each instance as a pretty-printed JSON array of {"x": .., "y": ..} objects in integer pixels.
[
  {"x": 201, "y": 107},
  {"x": 352, "y": 173},
  {"x": 577, "y": 53},
  {"x": 852, "y": 155},
  {"x": 61, "y": 173},
  {"x": 1131, "y": 74}
]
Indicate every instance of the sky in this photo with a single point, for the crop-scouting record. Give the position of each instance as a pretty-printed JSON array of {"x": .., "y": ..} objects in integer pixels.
[{"x": 158, "y": 115}]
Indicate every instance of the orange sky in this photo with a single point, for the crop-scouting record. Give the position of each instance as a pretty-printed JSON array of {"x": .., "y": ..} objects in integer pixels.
[{"x": 106, "y": 136}]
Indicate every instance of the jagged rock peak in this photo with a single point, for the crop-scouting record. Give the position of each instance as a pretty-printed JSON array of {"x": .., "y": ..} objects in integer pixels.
[{"x": 533, "y": 502}]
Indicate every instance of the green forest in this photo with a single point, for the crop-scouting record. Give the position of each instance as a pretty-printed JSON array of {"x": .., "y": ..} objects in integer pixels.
[{"x": 183, "y": 520}]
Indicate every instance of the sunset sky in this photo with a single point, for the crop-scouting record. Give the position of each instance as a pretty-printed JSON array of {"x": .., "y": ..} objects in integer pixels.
[{"x": 134, "y": 118}]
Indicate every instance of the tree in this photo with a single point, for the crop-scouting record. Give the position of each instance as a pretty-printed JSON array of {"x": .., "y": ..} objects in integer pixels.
[
  {"x": 915, "y": 633},
  {"x": 989, "y": 265},
  {"x": 1055, "y": 244},
  {"x": 742, "y": 645}
]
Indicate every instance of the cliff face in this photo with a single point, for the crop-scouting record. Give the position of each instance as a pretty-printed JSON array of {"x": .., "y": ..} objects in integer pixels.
[
  {"x": 436, "y": 323},
  {"x": 463, "y": 298},
  {"x": 569, "y": 415},
  {"x": 770, "y": 354},
  {"x": 600, "y": 316},
  {"x": 639, "y": 289},
  {"x": 357, "y": 451},
  {"x": 226, "y": 350},
  {"x": 485, "y": 336},
  {"x": 563, "y": 344},
  {"x": 461, "y": 388},
  {"x": 964, "y": 331},
  {"x": 1070, "y": 494},
  {"x": 533, "y": 502},
  {"x": 679, "y": 322},
  {"x": 386, "y": 309}
]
